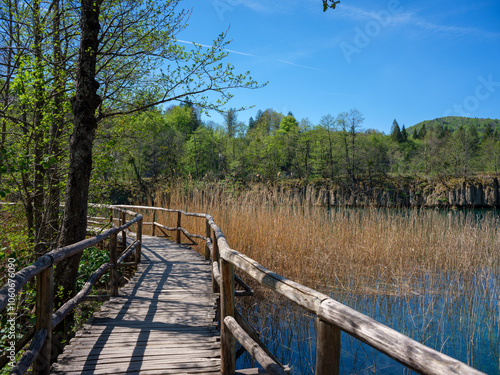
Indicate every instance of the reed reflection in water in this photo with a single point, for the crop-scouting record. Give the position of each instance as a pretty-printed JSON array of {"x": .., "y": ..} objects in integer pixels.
[{"x": 464, "y": 326}]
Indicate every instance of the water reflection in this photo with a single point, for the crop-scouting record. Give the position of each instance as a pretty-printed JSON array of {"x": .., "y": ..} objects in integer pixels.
[{"x": 461, "y": 321}]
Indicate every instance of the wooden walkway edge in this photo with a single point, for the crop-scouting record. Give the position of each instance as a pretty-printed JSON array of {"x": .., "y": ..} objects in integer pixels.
[{"x": 162, "y": 321}]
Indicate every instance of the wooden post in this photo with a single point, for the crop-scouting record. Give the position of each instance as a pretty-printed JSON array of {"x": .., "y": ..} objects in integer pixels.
[
  {"x": 178, "y": 238},
  {"x": 138, "y": 250},
  {"x": 215, "y": 258},
  {"x": 123, "y": 220},
  {"x": 228, "y": 342},
  {"x": 207, "y": 234},
  {"x": 154, "y": 221},
  {"x": 44, "y": 309},
  {"x": 327, "y": 348},
  {"x": 113, "y": 259}
]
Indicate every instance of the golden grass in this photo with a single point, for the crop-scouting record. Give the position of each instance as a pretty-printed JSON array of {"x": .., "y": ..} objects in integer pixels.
[
  {"x": 357, "y": 250},
  {"x": 432, "y": 275}
]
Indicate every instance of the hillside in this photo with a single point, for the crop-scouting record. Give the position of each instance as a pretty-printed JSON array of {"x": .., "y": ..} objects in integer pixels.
[{"x": 454, "y": 122}]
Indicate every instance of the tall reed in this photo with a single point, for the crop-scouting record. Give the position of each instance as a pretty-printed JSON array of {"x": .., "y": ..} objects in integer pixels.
[{"x": 431, "y": 274}]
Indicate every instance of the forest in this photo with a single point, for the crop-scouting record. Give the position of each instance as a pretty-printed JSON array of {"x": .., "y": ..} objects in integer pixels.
[{"x": 162, "y": 145}]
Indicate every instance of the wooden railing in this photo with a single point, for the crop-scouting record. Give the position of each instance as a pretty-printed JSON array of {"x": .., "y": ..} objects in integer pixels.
[
  {"x": 38, "y": 352},
  {"x": 332, "y": 317}
]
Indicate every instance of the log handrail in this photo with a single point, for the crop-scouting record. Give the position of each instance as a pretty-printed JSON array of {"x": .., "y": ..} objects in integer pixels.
[
  {"x": 332, "y": 316},
  {"x": 38, "y": 354}
]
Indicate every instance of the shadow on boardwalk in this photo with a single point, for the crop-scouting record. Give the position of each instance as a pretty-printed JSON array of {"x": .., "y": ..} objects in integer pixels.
[{"x": 162, "y": 321}]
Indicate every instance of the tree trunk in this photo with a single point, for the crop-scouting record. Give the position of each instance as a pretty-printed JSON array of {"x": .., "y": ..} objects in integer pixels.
[
  {"x": 84, "y": 105},
  {"x": 56, "y": 131}
]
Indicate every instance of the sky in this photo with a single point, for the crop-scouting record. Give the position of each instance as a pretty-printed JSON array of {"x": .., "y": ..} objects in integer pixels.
[{"x": 409, "y": 60}]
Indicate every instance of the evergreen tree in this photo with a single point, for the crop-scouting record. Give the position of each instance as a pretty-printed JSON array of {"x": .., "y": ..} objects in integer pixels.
[
  {"x": 404, "y": 134},
  {"x": 488, "y": 131},
  {"x": 251, "y": 123},
  {"x": 423, "y": 132},
  {"x": 396, "y": 132},
  {"x": 415, "y": 134}
]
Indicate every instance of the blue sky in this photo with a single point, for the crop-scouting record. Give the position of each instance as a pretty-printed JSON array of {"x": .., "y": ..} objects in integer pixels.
[{"x": 410, "y": 60}]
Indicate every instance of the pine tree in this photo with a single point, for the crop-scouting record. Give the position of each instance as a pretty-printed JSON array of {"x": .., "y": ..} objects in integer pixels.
[
  {"x": 415, "y": 134},
  {"x": 423, "y": 132},
  {"x": 404, "y": 134},
  {"x": 488, "y": 131},
  {"x": 251, "y": 123},
  {"x": 396, "y": 132}
]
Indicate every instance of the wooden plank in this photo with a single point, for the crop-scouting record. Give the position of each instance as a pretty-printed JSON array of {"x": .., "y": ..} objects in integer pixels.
[
  {"x": 172, "y": 355},
  {"x": 162, "y": 322},
  {"x": 190, "y": 347}
]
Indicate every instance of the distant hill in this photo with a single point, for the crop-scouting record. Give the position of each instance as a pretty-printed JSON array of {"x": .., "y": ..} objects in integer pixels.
[{"x": 454, "y": 122}]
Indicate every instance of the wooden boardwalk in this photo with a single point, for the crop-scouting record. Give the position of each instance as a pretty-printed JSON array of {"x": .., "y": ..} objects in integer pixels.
[{"x": 162, "y": 321}]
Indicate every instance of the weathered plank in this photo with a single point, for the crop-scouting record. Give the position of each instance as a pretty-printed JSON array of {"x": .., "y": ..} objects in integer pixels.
[{"x": 161, "y": 322}]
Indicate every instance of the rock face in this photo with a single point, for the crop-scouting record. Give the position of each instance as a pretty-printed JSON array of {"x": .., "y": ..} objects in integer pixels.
[{"x": 471, "y": 193}]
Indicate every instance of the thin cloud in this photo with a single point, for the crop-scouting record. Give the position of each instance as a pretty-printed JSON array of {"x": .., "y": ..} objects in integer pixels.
[
  {"x": 252, "y": 55},
  {"x": 207, "y": 46},
  {"x": 456, "y": 31},
  {"x": 302, "y": 66},
  {"x": 402, "y": 17}
]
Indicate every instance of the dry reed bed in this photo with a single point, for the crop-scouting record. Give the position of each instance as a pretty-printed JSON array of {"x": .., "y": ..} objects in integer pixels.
[
  {"x": 432, "y": 275},
  {"x": 330, "y": 248}
]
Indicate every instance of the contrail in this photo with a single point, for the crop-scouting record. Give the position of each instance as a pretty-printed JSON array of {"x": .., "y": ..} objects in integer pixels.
[
  {"x": 252, "y": 55},
  {"x": 207, "y": 46}
]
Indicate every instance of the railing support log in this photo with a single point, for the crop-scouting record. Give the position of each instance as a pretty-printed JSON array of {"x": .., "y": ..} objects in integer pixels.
[
  {"x": 178, "y": 237},
  {"x": 138, "y": 251},
  {"x": 228, "y": 342},
  {"x": 207, "y": 234},
  {"x": 327, "y": 348},
  {"x": 154, "y": 221},
  {"x": 113, "y": 259},
  {"x": 44, "y": 307},
  {"x": 123, "y": 220},
  {"x": 271, "y": 367},
  {"x": 215, "y": 258}
]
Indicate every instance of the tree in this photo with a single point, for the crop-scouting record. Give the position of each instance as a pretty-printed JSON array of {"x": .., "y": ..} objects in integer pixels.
[
  {"x": 289, "y": 133},
  {"x": 488, "y": 131},
  {"x": 396, "y": 135},
  {"x": 251, "y": 123},
  {"x": 354, "y": 121},
  {"x": 344, "y": 140},
  {"x": 289, "y": 123},
  {"x": 415, "y": 134},
  {"x": 33, "y": 114},
  {"x": 138, "y": 39},
  {"x": 328, "y": 122},
  {"x": 404, "y": 134},
  {"x": 84, "y": 106},
  {"x": 231, "y": 122},
  {"x": 422, "y": 133}
]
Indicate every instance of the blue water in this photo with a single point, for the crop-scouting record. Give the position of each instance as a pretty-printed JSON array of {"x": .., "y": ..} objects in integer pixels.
[
  {"x": 461, "y": 321},
  {"x": 463, "y": 326}
]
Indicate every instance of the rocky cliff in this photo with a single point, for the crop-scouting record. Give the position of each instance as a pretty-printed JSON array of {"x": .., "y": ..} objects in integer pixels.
[{"x": 398, "y": 192}]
